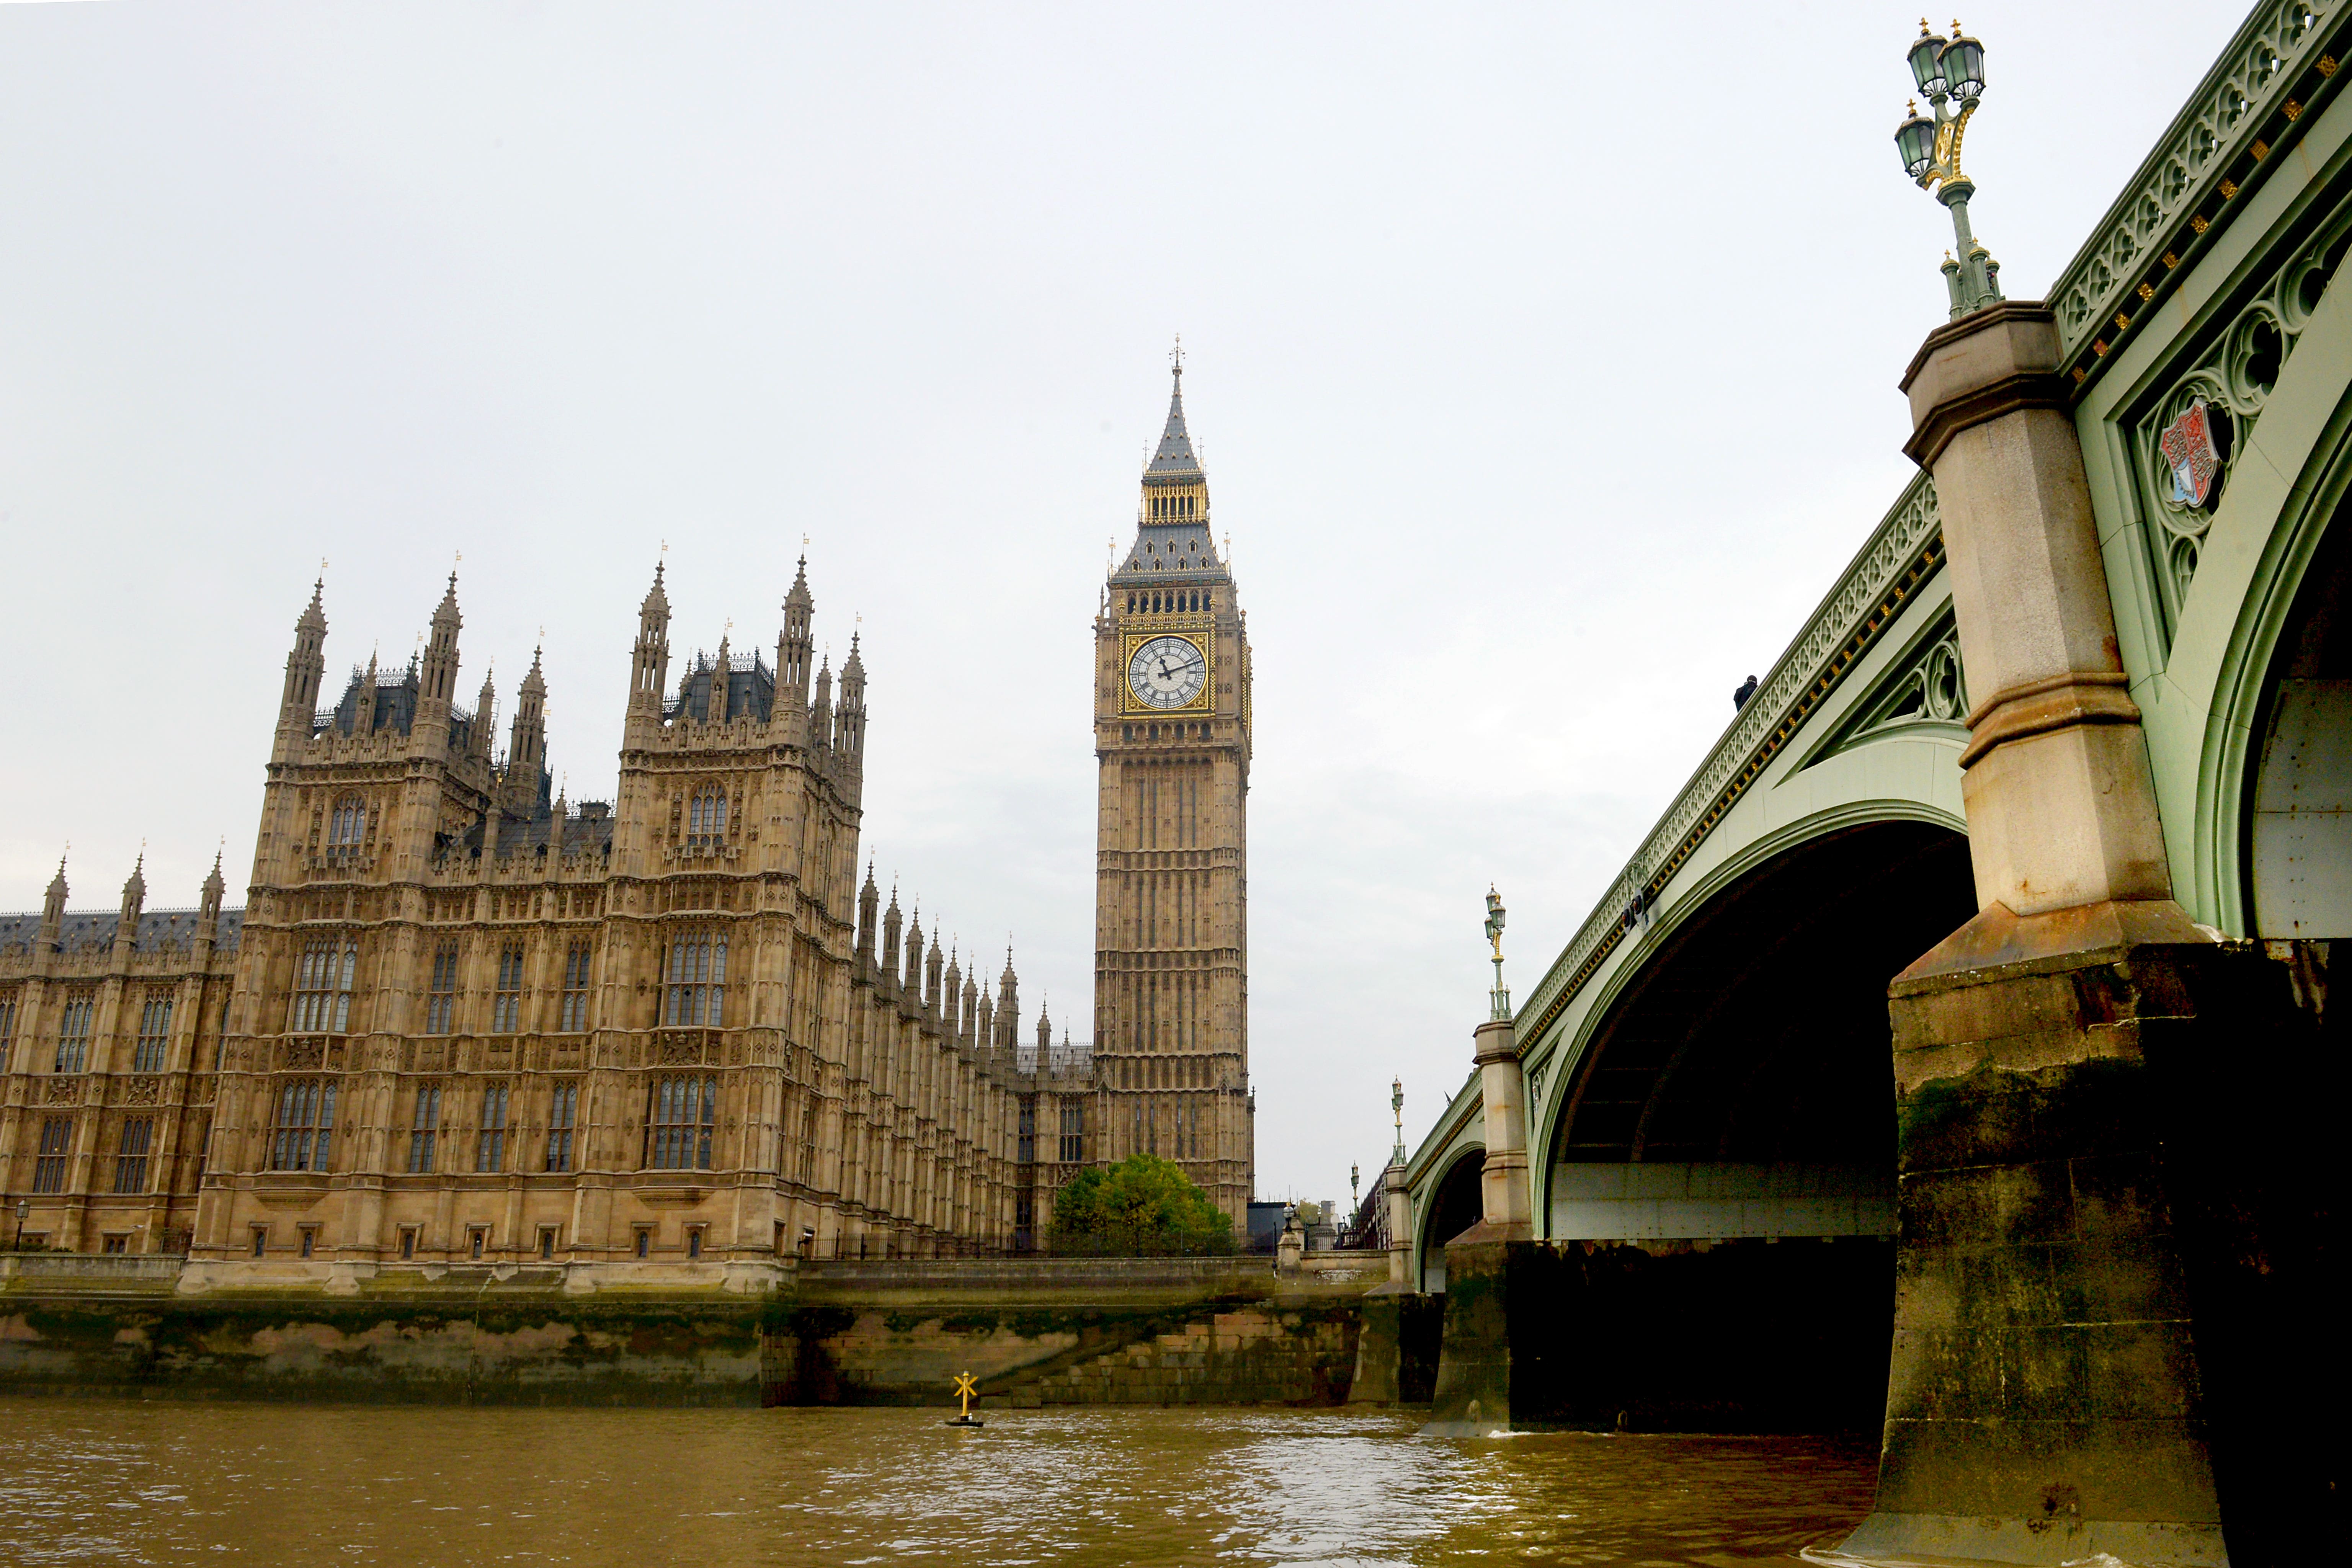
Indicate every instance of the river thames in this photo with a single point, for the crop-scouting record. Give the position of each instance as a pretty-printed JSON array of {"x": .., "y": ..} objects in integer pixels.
[{"x": 170, "y": 1482}]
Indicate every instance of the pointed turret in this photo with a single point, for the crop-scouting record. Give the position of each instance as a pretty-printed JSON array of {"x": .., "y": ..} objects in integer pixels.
[
  {"x": 890, "y": 923},
  {"x": 208, "y": 907},
  {"x": 649, "y": 660},
  {"x": 849, "y": 728},
  {"x": 932, "y": 963},
  {"x": 134, "y": 899},
  {"x": 913, "y": 979},
  {"x": 305, "y": 667},
  {"x": 1008, "y": 1008},
  {"x": 974, "y": 1004},
  {"x": 869, "y": 898},
  {"x": 485, "y": 702},
  {"x": 437, "y": 679},
  {"x": 714, "y": 706},
  {"x": 363, "y": 725},
  {"x": 952, "y": 1002},
  {"x": 1045, "y": 1033},
  {"x": 526, "y": 744},
  {"x": 208, "y": 903},
  {"x": 820, "y": 727},
  {"x": 53, "y": 907},
  {"x": 793, "y": 649}
]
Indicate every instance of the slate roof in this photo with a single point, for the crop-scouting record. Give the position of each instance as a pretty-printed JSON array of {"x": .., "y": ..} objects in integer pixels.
[
  {"x": 588, "y": 830},
  {"x": 158, "y": 929},
  {"x": 751, "y": 687},
  {"x": 1183, "y": 549}
]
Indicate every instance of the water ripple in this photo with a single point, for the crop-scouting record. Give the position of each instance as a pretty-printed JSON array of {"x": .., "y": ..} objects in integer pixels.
[{"x": 166, "y": 1483}]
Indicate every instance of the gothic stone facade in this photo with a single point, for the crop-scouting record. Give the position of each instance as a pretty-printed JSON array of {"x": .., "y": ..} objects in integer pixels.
[
  {"x": 460, "y": 1020},
  {"x": 1171, "y": 934}
]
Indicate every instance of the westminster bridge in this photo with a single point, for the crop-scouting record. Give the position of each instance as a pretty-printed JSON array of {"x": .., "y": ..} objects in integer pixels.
[{"x": 2046, "y": 806}]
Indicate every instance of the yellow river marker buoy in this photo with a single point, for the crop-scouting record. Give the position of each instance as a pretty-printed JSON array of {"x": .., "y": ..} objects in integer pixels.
[{"x": 963, "y": 1386}]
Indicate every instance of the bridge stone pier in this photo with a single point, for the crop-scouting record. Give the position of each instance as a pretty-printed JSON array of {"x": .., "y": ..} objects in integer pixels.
[
  {"x": 2040, "y": 1325},
  {"x": 1954, "y": 1059}
]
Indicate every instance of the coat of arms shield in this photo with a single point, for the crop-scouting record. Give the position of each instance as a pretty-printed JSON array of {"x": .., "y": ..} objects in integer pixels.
[{"x": 2188, "y": 446}]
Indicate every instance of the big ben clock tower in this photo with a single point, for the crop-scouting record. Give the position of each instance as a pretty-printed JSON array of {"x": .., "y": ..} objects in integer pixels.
[{"x": 1171, "y": 929}]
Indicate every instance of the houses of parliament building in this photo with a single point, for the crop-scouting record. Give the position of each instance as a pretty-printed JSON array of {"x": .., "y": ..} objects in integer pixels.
[{"x": 460, "y": 1018}]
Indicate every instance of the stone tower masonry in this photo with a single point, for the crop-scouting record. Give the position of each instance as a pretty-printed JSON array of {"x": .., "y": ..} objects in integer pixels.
[{"x": 1171, "y": 932}]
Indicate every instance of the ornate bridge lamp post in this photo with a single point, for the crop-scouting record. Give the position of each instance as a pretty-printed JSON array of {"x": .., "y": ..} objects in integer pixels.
[
  {"x": 2085, "y": 1386},
  {"x": 1500, "y": 996},
  {"x": 1948, "y": 70}
]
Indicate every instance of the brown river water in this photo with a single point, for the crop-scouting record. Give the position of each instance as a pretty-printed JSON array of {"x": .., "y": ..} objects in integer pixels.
[{"x": 133, "y": 1483}]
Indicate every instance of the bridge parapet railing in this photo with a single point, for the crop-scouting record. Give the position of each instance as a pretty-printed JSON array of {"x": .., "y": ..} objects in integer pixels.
[
  {"x": 2225, "y": 139},
  {"x": 1900, "y": 556}
]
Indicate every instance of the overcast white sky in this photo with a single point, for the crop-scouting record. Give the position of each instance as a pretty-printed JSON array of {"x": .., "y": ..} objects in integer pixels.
[{"x": 1542, "y": 358}]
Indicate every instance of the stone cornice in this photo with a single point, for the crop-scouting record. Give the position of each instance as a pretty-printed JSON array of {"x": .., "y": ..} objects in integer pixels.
[{"x": 2027, "y": 384}]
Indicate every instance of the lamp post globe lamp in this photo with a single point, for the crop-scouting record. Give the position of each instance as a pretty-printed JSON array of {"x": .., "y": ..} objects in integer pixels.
[
  {"x": 1915, "y": 140},
  {"x": 1926, "y": 68},
  {"x": 1962, "y": 64}
]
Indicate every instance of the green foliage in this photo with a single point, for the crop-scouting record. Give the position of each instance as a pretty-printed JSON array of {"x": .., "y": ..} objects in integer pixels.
[{"x": 1142, "y": 1207}]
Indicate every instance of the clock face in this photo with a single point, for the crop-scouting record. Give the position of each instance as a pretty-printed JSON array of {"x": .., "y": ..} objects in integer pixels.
[{"x": 1166, "y": 672}]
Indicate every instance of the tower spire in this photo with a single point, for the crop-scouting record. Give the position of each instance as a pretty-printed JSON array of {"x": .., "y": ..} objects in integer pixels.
[
  {"x": 1173, "y": 522},
  {"x": 1175, "y": 459}
]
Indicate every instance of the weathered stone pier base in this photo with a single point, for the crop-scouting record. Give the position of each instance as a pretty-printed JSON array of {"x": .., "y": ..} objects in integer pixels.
[
  {"x": 1397, "y": 1347},
  {"x": 2100, "y": 1271}
]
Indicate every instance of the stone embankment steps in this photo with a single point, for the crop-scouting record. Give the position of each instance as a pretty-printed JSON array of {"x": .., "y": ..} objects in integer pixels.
[{"x": 1246, "y": 1356}]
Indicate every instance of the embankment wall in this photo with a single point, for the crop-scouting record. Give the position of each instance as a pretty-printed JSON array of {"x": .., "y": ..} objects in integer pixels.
[{"x": 1034, "y": 1332}]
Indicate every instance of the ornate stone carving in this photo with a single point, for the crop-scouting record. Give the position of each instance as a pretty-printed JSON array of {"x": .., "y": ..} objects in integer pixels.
[
  {"x": 1925, "y": 687},
  {"x": 2232, "y": 374},
  {"x": 142, "y": 1091},
  {"x": 61, "y": 1091},
  {"x": 301, "y": 1055}
]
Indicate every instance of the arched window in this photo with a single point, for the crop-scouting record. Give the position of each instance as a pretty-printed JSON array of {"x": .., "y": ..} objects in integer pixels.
[
  {"x": 698, "y": 982},
  {"x": 303, "y": 1125},
  {"x": 323, "y": 987},
  {"x": 347, "y": 827},
  {"x": 706, "y": 817},
  {"x": 678, "y": 1123}
]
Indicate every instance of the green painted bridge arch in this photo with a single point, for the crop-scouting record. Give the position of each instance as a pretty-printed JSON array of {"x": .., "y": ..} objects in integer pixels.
[
  {"x": 1706, "y": 1066},
  {"x": 1848, "y": 751}
]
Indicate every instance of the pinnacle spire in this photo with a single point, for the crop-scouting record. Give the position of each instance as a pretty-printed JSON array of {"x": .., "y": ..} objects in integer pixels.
[{"x": 1174, "y": 458}]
